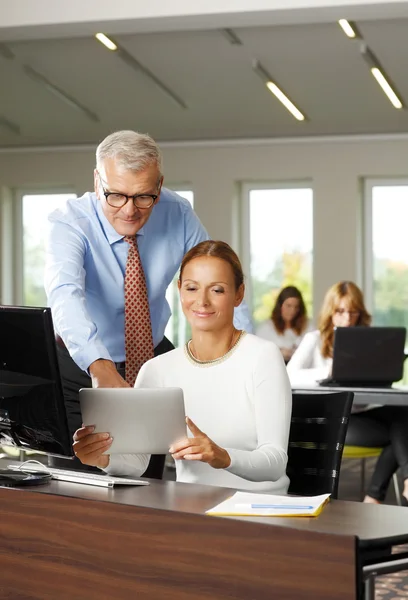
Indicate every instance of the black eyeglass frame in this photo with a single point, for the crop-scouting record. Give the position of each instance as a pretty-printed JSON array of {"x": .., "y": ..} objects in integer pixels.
[{"x": 134, "y": 198}]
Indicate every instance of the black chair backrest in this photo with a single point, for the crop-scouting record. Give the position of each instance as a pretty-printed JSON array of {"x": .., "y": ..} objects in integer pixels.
[
  {"x": 316, "y": 440},
  {"x": 155, "y": 468}
]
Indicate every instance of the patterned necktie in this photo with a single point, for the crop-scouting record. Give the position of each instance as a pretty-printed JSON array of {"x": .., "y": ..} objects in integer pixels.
[{"x": 138, "y": 328}]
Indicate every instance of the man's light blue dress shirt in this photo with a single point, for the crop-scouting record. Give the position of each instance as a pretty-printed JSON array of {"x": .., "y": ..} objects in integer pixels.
[{"x": 85, "y": 269}]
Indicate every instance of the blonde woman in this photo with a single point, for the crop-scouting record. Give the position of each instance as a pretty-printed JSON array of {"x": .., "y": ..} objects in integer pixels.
[
  {"x": 236, "y": 390},
  {"x": 387, "y": 426}
]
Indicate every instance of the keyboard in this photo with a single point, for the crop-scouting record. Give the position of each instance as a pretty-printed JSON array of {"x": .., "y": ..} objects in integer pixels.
[
  {"x": 76, "y": 476},
  {"x": 329, "y": 382}
]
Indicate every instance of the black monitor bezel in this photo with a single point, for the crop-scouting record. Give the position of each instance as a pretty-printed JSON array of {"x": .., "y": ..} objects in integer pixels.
[{"x": 46, "y": 314}]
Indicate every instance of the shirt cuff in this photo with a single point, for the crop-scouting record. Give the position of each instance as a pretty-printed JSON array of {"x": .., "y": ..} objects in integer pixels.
[
  {"x": 115, "y": 466},
  {"x": 233, "y": 457},
  {"x": 87, "y": 354},
  {"x": 127, "y": 465}
]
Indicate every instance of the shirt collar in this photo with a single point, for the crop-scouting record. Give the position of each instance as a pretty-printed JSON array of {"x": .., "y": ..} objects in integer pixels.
[{"x": 111, "y": 234}]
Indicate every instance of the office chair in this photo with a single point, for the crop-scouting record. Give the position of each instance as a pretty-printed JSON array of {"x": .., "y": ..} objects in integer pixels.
[
  {"x": 362, "y": 453},
  {"x": 316, "y": 440}
]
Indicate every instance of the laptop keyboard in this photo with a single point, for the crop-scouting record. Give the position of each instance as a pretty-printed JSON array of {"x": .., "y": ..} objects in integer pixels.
[{"x": 76, "y": 476}]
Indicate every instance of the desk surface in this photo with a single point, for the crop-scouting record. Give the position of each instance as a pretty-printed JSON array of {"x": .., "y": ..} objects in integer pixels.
[
  {"x": 374, "y": 525},
  {"x": 384, "y": 396}
]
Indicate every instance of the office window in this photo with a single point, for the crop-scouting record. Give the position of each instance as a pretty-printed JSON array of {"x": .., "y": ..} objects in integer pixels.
[
  {"x": 35, "y": 210},
  {"x": 278, "y": 244},
  {"x": 386, "y": 268},
  {"x": 178, "y": 330}
]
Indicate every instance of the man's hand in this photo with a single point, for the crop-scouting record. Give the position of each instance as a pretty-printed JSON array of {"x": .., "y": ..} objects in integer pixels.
[
  {"x": 105, "y": 375},
  {"x": 200, "y": 447},
  {"x": 89, "y": 447}
]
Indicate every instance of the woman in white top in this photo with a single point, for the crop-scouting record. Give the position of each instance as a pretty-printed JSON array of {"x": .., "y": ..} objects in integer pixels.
[
  {"x": 288, "y": 322},
  {"x": 386, "y": 426},
  {"x": 236, "y": 390}
]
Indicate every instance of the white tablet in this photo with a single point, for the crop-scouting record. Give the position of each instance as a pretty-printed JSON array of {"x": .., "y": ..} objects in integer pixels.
[{"x": 142, "y": 420}]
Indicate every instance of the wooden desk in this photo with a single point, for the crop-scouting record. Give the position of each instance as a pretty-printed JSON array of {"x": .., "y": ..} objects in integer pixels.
[
  {"x": 69, "y": 541},
  {"x": 383, "y": 396}
]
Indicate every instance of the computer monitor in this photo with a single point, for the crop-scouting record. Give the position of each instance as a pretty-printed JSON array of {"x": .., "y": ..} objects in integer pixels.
[
  {"x": 368, "y": 356},
  {"x": 32, "y": 409}
]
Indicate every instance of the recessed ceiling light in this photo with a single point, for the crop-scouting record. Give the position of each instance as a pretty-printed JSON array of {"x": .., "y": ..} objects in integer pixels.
[
  {"x": 347, "y": 28},
  {"x": 272, "y": 87},
  {"x": 380, "y": 75},
  {"x": 276, "y": 91},
  {"x": 387, "y": 89},
  {"x": 106, "y": 41}
]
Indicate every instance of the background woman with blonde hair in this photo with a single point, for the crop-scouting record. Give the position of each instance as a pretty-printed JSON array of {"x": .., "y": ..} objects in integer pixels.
[
  {"x": 385, "y": 426},
  {"x": 288, "y": 322}
]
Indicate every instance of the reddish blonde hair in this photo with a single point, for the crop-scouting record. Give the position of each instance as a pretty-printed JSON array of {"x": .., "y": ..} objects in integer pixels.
[
  {"x": 216, "y": 249},
  {"x": 354, "y": 296}
]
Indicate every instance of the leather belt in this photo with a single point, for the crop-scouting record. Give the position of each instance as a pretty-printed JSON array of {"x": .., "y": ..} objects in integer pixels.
[{"x": 60, "y": 342}]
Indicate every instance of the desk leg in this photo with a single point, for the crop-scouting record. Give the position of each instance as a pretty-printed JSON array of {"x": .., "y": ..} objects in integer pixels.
[
  {"x": 369, "y": 588},
  {"x": 370, "y": 572}
]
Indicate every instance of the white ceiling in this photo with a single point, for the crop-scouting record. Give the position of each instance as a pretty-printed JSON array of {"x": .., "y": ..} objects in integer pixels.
[{"x": 320, "y": 69}]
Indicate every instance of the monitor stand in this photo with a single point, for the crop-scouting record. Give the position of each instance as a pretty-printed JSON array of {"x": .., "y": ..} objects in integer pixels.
[{"x": 10, "y": 478}]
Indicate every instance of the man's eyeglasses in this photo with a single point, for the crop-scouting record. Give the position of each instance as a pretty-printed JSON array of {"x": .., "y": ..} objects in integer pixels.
[
  {"x": 118, "y": 200},
  {"x": 352, "y": 313}
]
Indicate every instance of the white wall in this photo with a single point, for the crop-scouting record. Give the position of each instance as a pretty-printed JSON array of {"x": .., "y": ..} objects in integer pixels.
[
  {"x": 335, "y": 167},
  {"x": 29, "y": 19},
  {"x": 26, "y": 12}
]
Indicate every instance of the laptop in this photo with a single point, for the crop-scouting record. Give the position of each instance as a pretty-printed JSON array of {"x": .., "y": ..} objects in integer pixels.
[
  {"x": 367, "y": 356},
  {"x": 140, "y": 420}
]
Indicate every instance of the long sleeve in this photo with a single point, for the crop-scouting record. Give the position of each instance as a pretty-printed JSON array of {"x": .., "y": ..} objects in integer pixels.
[
  {"x": 65, "y": 287},
  {"x": 127, "y": 465},
  {"x": 272, "y": 404},
  {"x": 303, "y": 367}
]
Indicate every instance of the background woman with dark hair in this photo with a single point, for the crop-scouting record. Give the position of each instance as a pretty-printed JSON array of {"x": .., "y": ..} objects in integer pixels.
[{"x": 288, "y": 322}]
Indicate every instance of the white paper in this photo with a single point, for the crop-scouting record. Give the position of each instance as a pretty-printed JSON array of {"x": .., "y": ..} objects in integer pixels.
[{"x": 248, "y": 504}]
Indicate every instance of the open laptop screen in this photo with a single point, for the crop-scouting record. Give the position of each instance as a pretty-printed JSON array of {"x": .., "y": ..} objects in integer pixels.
[{"x": 368, "y": 355}]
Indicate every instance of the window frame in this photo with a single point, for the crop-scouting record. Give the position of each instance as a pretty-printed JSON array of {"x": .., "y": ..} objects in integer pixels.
[
  {"x": 245, "y": 225},
  {"x": 182, "y": 325},
  {"x": 18, "y": 228},
  {"x": 368, "y": 249}
]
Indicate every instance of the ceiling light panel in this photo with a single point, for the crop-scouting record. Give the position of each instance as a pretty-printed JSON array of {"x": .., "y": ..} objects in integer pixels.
[
  {"x": 106, "y": 41},
  {"x": 276, "y": 91},
  {"x": 381, "y": 77},
  {"x": 349, "y": 28}
]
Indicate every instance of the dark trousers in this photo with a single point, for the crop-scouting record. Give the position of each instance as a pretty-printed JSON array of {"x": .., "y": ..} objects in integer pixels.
[
  {"x": 387, "y": 427},
  {"x": 73, "y": 379}
]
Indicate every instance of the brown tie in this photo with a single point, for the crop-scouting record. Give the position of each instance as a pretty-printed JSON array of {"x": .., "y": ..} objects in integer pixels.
[{"x": 138, "y": 328}]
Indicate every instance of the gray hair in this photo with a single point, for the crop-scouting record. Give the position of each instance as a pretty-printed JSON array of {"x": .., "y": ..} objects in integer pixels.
[{"x": 132, "y": 151}]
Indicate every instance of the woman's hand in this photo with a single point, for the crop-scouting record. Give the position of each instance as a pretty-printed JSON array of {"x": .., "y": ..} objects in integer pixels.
[
  {"x": 89, "y": 447},
  {"x": 200, "y": 447}
]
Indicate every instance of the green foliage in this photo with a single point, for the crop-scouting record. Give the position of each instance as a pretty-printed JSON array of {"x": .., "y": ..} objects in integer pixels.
[
  {"x": 391, "y": 297},
  {"x": 34, "y": 259}
]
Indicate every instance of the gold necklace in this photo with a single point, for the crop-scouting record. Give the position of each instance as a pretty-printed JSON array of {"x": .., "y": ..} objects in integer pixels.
[{"x": 232, "y": 346}]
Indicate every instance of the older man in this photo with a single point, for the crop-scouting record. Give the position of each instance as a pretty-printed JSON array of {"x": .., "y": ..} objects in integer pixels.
[{"x": 111, "y": 256}]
